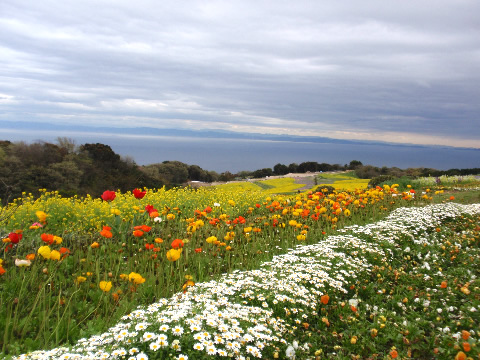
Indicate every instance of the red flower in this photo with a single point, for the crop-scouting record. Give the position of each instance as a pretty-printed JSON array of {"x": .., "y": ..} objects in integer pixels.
[
  {"x": 2, "y": 270},
  {"x": 139, "y": 194},
  {"x": 64, "y": 250},
  {"x": 150, "y": 209},
  {"x": 144, "y": 228},
  {"x": 149, "y": 246},
  {"x": 177, "y": 243},
  {"x": 198, "y": 250},
  {"x": 208, "y": 209},
  {"x": 47, "y": 238},
  {"x": 108, "y": 195},
  {"x": 14, "y": 237}
]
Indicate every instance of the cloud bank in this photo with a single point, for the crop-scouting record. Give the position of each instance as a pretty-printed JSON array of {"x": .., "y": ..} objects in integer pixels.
[{"x": 404, "y": 72}]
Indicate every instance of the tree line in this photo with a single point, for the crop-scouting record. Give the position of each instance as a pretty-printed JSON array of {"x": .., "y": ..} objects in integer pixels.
[{"x": 93, "y": 168}]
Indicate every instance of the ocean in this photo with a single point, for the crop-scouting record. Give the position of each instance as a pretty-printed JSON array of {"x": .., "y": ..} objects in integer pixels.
[{"x": 234, "y": 155}]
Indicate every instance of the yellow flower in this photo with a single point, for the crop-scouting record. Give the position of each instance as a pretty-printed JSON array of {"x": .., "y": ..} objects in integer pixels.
[
  {"x": 174, "y": 254},
  {"x": 170, "y": 216},
  {"x": 211, "y": 239},
  {"x": 41, "y": 216},
  {"x": 54, "y": 255},
  {"x": 347, "y": 212},
  {"x": 136, "y": 278},
  {"x": 301, "y": 237},
  {"x": 95, "y": 245},
  {"x": 58, "y": 240},
  {"x": 115, "y": 212},
  {"x": 105, "y": 285},
  {"x": 81, "y": 279},
  {"x": 44, "y": 251}
]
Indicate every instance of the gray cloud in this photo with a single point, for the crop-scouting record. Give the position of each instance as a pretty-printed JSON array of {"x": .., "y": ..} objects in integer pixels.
[{"x": 395, "y": 71}]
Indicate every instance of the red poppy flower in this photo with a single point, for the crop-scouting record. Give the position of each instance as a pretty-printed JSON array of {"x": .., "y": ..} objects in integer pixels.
[
  {"x": 47, "y": 238},
  {"x": 2, "y": 270},
  {"x": 14, "y": 237},
  {"x": 208, "y": 209},
  {"x": 177, "y": 243},
  {"x": 150, "y": 209},
  {"x": 139, "y": 194},
  {"x": 149, "y": 246},
  {"x": 108, "y": 195}
]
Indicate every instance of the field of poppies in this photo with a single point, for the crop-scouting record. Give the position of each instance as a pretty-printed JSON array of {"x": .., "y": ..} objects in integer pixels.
[{"x": 188, "y": 273}]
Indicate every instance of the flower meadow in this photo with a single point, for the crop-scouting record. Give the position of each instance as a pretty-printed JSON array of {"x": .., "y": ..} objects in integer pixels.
[{"x": 239, "y": 274}]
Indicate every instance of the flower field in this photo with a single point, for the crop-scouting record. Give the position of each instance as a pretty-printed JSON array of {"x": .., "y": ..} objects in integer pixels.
[{"x": 218, "y": 273}]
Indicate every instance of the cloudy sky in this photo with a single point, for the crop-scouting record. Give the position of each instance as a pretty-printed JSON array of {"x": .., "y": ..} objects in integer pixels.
[{"x": 401, "y": 71}]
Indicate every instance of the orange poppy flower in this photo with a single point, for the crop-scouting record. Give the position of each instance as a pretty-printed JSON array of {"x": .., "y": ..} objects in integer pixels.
[
  {"x": 30, "y": 257},
  {"x": 466, "y": 346},
  {"x": 324, "y": 299},
  {"x": 394, "y": 354},
  {"x": 443, "y": 285},
  {"x": 465, "y": 335},
  {"x": 177, "y": 243},
  {"x": 137, "y": 233},
  {"x": 106, "y": 232}
]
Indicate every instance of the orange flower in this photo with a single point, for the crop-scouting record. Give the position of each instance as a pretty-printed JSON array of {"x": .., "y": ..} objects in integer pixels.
[
  {"x": 149, "y": 246},
  {"x": 460, "y": 356},
  {"x": 465, "y": 335},
  {"x": 177, "y": 243},
  {"x": 198, "y": 250},
  {"x": 95, "y": 245},
  {"x": 394, "y": 354},
  {"x": 187, "y": 284},
  {"x": 106, "y": 232},
  {"x": 452, "y": 197},
  {"x": 137, "y": 233},
  {"x": 2, "y": 270},
  {"x": 466, "y": 346},
  {"x": 443, "y": 285},
  {"x": 159, "y": 240},
  {"x": 30, "y": 257},
  {"x": 324, "y": 299}
]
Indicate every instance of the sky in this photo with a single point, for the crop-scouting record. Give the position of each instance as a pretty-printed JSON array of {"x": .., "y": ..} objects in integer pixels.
[{"x": 396, "y": 71}]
